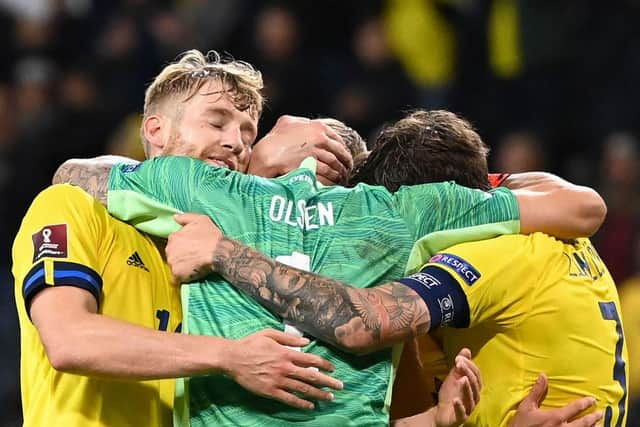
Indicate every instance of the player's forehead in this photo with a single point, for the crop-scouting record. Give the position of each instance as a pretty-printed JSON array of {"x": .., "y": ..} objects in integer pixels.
[{"x": 215, "y": 97}]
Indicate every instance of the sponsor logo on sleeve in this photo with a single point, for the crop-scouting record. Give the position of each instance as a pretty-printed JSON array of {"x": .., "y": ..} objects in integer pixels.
[
  {"x": 50, "y": 241},
  {"x": 131, "y": 168},
  {"x": 462, "y": 268}
]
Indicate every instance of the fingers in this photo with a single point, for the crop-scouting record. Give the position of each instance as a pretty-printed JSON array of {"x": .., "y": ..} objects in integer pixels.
[
  {"x": 460, "y": 411},
  {"x": 328, "y": 157},
  {"x": 576, "y": 407},
  {"x": 536, "y": 395},
  {"x": 465, "y": 352},
  {"x": 306, "y": 381},
  {"x": 337, "y": 146},
  {"x": 291, "y": 400},
  {"x": 312, "y": 376},
  {"x": 320, "y": 141},
  {"x": 328, "y": 175},
  {"x": 467, "y": 397},
  {"x": 285, "y": 339},
  {"x": 476, "y": 373},
  {"x": 310, "y": 360},
  {"x": 328, "y": 131},
  {"x": 589, "y": 420},
  {"x": 306, "y": 390},
  {"x": 465, "y": 367},
  {"x": 299, "y": 358},
  {"x": 185, "y": 218}
]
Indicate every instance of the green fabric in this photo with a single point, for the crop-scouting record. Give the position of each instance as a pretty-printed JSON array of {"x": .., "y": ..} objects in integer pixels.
[
  {"x": 435, "y": 242},
  {"x": 181, "y": 413},
  {"x": 145, "y": 214},
  {"x": 362, "y": 236}
]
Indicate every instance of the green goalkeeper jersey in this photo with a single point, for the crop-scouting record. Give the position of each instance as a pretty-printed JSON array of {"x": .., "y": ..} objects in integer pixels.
[{"x": 363, "y": 236}]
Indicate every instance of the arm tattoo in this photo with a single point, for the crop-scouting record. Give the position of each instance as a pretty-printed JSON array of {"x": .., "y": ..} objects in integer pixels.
[
  {"x": 354, "y": 319},
  {"x": 92, "y": 175}
]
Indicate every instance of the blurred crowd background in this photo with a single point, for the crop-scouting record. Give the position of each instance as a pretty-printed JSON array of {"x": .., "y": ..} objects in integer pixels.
[{"x": 549, "y": 85}]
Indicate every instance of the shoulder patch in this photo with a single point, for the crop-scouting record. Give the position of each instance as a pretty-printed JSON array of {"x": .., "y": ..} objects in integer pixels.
[
  {"x": 50, "y": 241},
  {"x": 131, "y": 167},
  {"x": 465, "y": 270}
]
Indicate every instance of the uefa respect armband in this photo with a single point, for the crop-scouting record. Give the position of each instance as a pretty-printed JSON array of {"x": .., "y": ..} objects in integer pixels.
[{"x": 445, "y": 299}]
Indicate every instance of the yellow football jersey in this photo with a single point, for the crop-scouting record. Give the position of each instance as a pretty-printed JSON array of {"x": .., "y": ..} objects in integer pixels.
[
  {"x": 630, "y": 300},
  {"x": 68, "y": 238},
  {"x": 527, "y": 305}
]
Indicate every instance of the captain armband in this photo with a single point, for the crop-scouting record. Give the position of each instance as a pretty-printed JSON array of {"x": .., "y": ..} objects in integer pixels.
[
  {"x": 447, "y": 303},
  {"x": 63, "y": 274}
]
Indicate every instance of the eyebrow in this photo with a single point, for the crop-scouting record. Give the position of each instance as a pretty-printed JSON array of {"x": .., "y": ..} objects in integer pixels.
[
  {"x": 245, "y": 125},
  {"x": 218, "y": 110}
]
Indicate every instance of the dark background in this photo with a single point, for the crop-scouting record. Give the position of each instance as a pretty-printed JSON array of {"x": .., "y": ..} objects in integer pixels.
[{"x": 549, "y": 85}]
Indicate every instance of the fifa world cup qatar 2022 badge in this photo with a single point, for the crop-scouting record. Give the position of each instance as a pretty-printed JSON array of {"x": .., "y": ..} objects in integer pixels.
[{"x": 50, "y": 241}]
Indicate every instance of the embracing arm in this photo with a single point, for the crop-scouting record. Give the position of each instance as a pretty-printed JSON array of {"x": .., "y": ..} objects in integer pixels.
[
  {"x": 92, "y": 175},
  {"x": 549, "y": 203},
  {"x": 81, "y": 341},
  {"x": 354, "y": 319}
]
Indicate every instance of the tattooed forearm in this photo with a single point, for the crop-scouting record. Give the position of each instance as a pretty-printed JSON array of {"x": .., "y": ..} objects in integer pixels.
[
  {"x": 357, "y": 320},
  {"x": 92, "y": 175}
]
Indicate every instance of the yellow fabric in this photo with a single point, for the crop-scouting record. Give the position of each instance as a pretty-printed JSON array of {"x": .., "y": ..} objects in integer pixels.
[
  {"x": 422, "y": 40},
  {"x": 422, "y": 368},
  {"x": 104, "y": 245},
  {"x": 630, "y": 300},
  {"x": 535, "y": 309},
  {"x": 505, "y": 53}
]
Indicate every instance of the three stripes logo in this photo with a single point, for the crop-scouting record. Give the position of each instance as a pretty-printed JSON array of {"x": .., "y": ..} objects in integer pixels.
[{"x": 135, "y": 261}]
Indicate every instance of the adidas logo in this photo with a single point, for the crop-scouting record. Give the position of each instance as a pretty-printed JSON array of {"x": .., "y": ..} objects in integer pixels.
[{"x": 136, "y": 261}]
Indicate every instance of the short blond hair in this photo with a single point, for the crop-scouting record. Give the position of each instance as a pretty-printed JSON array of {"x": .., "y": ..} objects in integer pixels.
[{"x": 182, "y": 79}]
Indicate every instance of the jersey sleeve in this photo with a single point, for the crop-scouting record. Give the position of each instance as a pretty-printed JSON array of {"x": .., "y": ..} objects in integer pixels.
[
  {"x": 477, "y": 282},
  {"x": 442, "y": 215},
  {"x": 149, "y": 194},
  {"x": 58, "y": 243}
]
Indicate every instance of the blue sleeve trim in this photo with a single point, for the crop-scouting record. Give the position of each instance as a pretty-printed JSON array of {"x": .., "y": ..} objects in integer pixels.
[
  {"x": 33, "y": 283},
  {"x": 64, "y": 274},
  {"x": 445, "y": 299}
]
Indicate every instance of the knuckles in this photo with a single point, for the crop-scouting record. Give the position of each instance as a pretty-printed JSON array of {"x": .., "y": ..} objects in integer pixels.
[
  {"x": 285, "y": 120},
  {"x": 319, "y": 127}
]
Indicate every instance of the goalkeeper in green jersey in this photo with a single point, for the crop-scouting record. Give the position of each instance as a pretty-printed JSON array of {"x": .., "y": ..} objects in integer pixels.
[{"x": 356, "y": 320}]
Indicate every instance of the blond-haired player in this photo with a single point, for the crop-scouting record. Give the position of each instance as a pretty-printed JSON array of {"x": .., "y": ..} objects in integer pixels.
[{"x": 96, "y": 302}]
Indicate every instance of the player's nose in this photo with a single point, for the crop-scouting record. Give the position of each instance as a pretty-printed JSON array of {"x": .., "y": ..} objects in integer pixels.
[{"x": 232, "y": 140}]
